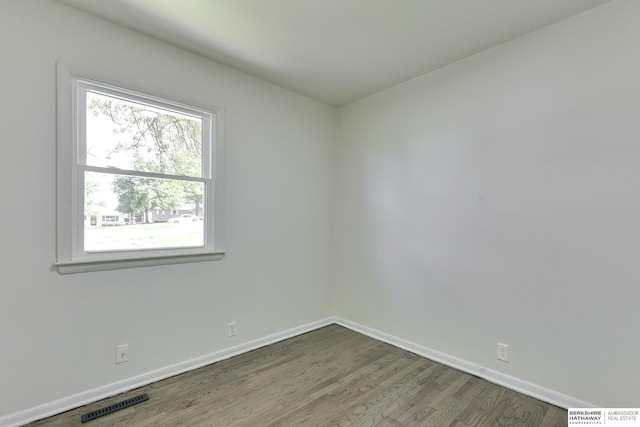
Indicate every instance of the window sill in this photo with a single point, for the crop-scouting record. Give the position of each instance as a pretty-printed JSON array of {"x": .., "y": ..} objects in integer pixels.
[{"x": 72, "y": 267}]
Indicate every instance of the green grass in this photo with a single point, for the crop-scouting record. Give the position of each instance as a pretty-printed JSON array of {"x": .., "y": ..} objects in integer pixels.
[{"x": 143, "y": 236}]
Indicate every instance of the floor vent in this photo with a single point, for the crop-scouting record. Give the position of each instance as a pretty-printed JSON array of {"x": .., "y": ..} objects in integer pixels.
[{"x": 113, "y": 408}]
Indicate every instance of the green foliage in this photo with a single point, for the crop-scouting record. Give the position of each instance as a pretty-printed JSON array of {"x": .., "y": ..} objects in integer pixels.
[
  {"x": 92, "y": 204},
  {"x": 153, "y": 141},
  {"x": 192, "y": 193},
  {"x": 136, "y": 195},
  {"x": 166, "y": 142}
]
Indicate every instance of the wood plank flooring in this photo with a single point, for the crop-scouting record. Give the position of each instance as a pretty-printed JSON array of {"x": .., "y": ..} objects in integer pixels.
[{"x": 329, "y": 377}]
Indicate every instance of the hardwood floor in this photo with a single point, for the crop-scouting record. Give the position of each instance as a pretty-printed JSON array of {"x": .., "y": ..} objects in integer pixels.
[{"x": 328, "y": 377}]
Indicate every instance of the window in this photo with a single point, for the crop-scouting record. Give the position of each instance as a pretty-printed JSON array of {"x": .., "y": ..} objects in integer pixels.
[{"x": 123, "y": 156}]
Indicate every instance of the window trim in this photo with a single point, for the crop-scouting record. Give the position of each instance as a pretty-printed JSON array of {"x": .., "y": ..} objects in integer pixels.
[{"x": 68, "y": 258}]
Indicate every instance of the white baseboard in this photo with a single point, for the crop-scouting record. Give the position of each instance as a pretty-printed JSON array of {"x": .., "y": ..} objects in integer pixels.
[
  {"x": 77, "y": 400},
  {"x": 513, "y": 383}
]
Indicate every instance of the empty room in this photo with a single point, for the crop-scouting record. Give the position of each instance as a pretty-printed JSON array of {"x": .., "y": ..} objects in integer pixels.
[{"x": 319, "y": 212}]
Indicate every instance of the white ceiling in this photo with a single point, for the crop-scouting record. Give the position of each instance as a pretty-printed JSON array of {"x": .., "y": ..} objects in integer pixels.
[{"x": 335, "y": 51}]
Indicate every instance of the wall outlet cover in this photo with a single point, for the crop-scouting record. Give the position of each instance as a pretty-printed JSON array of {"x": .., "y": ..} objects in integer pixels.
[
  {"x": 122, "y": 353},
  {"x": 503, "y": 352}
]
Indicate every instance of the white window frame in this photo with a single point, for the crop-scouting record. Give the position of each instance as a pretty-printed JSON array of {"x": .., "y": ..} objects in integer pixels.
[{"x": 70, "y": 257}]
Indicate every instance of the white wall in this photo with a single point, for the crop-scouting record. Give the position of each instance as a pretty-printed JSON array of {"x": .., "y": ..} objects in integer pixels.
[
  {"x": 498, "y": 199},
  {"x": 494, "y": 200},
  {"x": 58, "y": 333}
]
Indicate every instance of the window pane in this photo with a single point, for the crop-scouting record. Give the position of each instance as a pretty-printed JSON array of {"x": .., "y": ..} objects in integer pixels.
[
  {"x": 120, "y": 213},
  {"x": 133, "y": 136}
]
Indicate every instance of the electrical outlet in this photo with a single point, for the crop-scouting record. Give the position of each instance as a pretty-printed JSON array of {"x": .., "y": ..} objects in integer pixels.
[
  {"x": 122, "y": 353},
  {"x": 231, "y": 329},
  {"x": 503, "y": 352}
]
